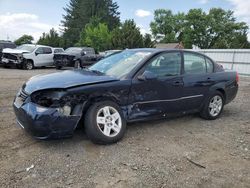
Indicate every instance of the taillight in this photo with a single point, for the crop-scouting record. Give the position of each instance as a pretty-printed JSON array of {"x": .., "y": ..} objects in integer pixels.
[{"x": 237, "y": 77}]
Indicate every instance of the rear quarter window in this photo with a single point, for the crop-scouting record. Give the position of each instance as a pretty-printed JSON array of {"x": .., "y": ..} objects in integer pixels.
[{"x": 210, "y": 66}]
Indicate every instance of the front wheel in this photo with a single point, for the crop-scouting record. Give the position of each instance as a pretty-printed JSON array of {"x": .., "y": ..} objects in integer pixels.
[
  {"x": 28, "y": 65},
  {"x": 104, "y": 123},
  {"x": 213, "y": 106},
  {"x": 58, "y": 67}
]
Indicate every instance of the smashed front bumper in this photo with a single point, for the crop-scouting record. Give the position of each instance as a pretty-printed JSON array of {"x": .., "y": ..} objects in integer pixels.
[
  {"x": 44, "y": 123},
  {"x": 7, "y": 61}
]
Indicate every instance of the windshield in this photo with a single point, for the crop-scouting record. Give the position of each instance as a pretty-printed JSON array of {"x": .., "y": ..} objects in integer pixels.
[
  {"x": 29, "y": 48},
  {"x": 120, "y": 64},
  {"x": 73, "y": 50}
]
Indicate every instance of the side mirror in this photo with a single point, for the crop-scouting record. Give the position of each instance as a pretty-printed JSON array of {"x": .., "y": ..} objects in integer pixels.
[
  {"x": 83, "y": 53},
  {"x": 37, "y": 53},
  {"x": 147, "y": 75}
]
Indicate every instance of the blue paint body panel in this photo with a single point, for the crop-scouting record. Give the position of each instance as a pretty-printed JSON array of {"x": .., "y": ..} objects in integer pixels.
[{"x": 139, "y": 100}]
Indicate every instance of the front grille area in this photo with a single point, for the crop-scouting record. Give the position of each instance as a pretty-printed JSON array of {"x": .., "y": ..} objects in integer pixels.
[
  {"x": 60, "y": 57},
  {"x": 20, "y": 99},
  {"x": 23, "y": 95},
  {"x": 9, "y": 56}
]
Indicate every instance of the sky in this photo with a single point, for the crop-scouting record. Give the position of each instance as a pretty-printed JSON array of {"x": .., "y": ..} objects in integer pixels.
[{"x": 33, "y": 17}]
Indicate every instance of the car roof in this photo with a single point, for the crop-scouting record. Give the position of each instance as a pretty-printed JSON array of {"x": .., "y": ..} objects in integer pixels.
[
  {"x": 6, "y": 42},
  {"x": 37, "y": 45},
  {"x": 158, "y": 50},
  {"x": 153, "y": 49},
  {"x": 81, "y": 47},
  {"x": 57, "y": 48}
]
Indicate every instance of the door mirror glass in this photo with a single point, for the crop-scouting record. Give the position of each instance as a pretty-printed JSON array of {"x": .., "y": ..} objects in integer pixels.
[
  {"x": 147, "y": 75},
  {"x": 83, "y": 53}
]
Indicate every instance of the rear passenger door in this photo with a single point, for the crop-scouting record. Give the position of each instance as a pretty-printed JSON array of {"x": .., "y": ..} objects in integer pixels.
[{"x": 197, "y": 80}]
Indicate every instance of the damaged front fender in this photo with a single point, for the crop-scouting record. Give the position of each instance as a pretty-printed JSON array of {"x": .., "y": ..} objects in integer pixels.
[{"x": 47, "y": 121}]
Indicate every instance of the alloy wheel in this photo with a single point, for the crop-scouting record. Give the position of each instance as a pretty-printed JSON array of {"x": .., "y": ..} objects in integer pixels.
[
  {"x": 29, "y": 66},
  {"x": 215, "y": 105},
  {"x": 109, "y": 121}
]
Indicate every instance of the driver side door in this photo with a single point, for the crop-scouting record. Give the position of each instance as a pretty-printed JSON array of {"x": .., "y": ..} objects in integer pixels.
[
  {"x": 160, "y": 94},
  {"x": 38, "y": 57}
]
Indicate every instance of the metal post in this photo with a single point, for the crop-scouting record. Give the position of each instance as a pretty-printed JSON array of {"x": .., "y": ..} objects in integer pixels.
[{"x": 233, "y": 60}]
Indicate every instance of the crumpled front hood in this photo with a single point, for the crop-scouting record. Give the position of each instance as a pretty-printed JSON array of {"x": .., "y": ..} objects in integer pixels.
[
  {"x": 14, "y": 51},
  {"x": 65, "y": 79}
]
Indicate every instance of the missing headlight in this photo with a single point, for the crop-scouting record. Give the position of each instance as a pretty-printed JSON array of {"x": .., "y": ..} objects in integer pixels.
[
  {"x": 65, "y": 103},
  {"x": 49, "y": 99},
  {"x": 65, "y": 110}
]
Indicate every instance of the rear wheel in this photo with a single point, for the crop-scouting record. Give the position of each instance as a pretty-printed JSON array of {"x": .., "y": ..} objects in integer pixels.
[
  {"x": 28, "y": 65},
  {"x": 104, "y": 123},
  {"x": 213, "y": 106}
]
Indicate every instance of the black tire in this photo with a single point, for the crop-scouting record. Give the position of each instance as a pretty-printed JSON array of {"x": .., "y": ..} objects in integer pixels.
[
  {"x": 205, "y": 112},
  {"x": 28, "y": 65},
  {"x": 78, "y": 64},
  {"x": 19, "y": 66},
  {"x": 92, "y": 129},
  {"x": 58, "y": 67},
  {"x": 6, "y": 66}
]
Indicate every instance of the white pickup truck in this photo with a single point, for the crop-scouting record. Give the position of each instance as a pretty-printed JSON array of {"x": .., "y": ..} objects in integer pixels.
[{"x": 28, "y": 56}]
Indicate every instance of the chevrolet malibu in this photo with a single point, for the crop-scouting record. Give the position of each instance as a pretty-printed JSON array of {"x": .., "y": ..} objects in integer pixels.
[{"x": 134, "y": 85}]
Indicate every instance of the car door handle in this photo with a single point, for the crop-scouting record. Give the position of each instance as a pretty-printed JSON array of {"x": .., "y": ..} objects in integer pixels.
[{"x": 177, "y": 83}]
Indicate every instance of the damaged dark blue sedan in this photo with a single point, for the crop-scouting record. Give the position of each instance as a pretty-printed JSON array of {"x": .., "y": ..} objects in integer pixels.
[{"x": 133, "y": 85}]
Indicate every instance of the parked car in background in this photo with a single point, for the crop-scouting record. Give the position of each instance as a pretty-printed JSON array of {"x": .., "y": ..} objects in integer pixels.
[
  {"x": 5, "y": 44},
  {"x": 28, "y": 56},
  {"x": 134, "y": 85},
  {"x": 77, "y": 57},
  {"x": 58, "y": 50}
]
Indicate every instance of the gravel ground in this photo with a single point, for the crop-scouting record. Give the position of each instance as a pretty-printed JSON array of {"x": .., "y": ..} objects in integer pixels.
[{"x": 179, "y": 152}]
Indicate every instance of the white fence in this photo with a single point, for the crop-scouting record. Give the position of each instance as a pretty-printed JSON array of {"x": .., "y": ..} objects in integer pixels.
[{"x": 235, "y": 59}]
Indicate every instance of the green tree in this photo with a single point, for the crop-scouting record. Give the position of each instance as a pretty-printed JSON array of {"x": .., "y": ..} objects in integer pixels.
[
  {"x": 127, "y": 36},
  {"x": 97, "y": 36},
  {"x": 168, "y": 25},
  {"x": 50, "y": 39},
  {"x": 25, "y": 39},
  {"x": 195, "y": 31},
  {"x": 79, "y": 13},
  {"x": 147, "y": 41},
  {"x": 216, "y": 29}
]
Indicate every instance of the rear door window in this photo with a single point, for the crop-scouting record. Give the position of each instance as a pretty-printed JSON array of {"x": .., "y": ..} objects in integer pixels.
[
  {"x": 194, "y": 63},
  {"x": 47, "y": 50}
]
